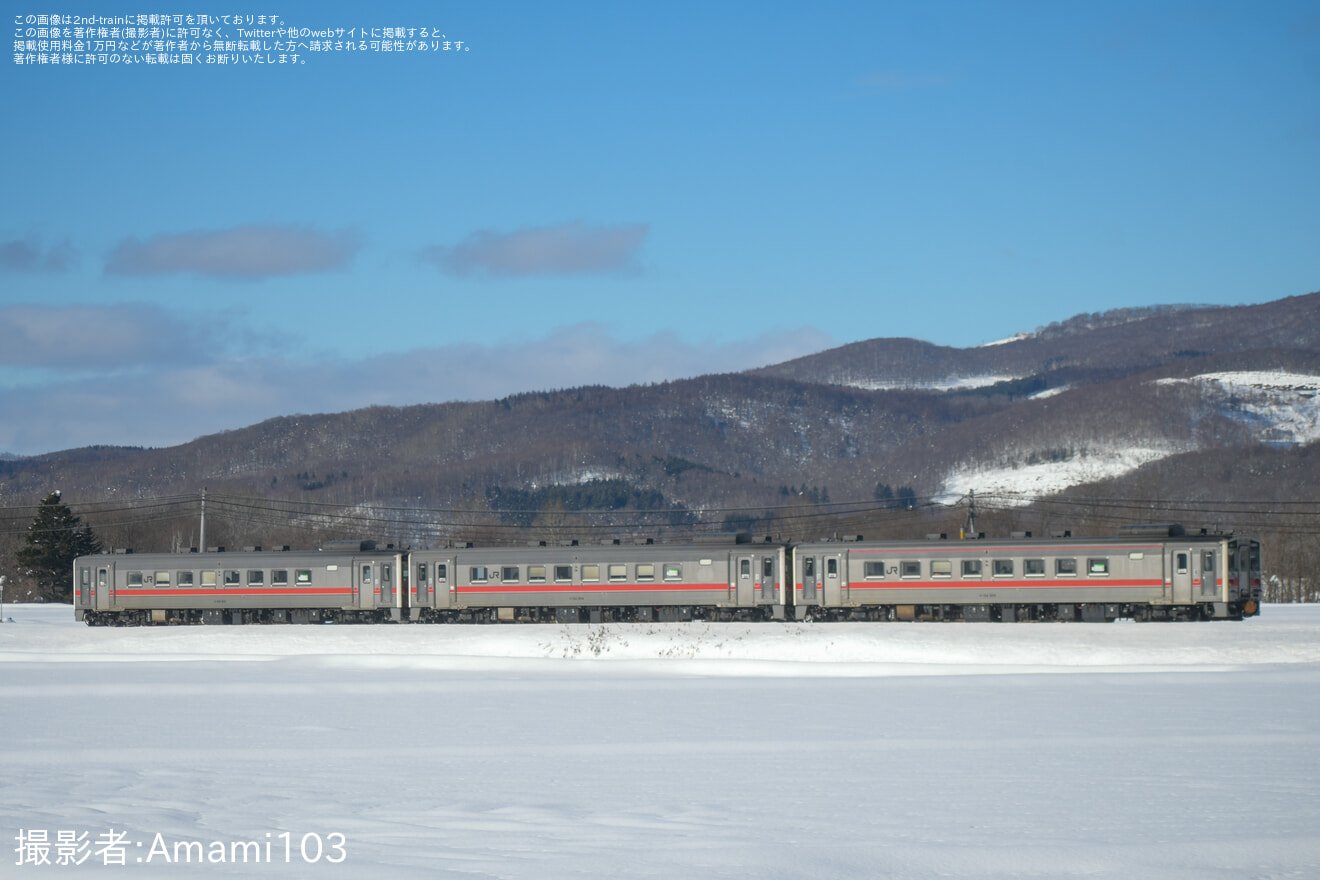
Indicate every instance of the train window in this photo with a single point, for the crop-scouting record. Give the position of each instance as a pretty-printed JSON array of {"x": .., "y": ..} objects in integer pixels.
[
  {"x": 421, "y": 575},
  {"x": 366, "y": 574},
  {"x": 911, "y": 569},
  {"x": 279, "y": 577},
  {"x": 162, "y": 578},
  {"x": 1097, "y": 566},
  {"x": 536, "y": 574},
  {"x": 591, "y": 572},
  {"x": 208, "y": 579},
  {"x": 510, "y": 573},
  {"x": 1033, "y": 567},
  {"x": 185, "y": 579},
  {"x": 745, "y": 569},
  {"x": 303, "y": 577},
  {"x": 673, "y": 571},
  {"x": 618, "y": 572},
  {"x": 767, "y": 568},
  {"x": 873, "y": 570},
  {"x": 646, "y": 571},
  {"x": 1065, "y": 567},
  {"x": 257, "y": 578},
  {"x": 941, "y": 568},
  {"x": 1003, "y": 568},
  {"x": 477, "y": 574},
  {"x": 1180, "y": 562},
  {"x": 233, "y": 578},
  {"x": 100, "y": 577},
  {"x": 563, "y": 572},
  {"x": 1208, "y": 562},
  {"x": 832, "y": 568},
  {"x": 135, "y": 578},
  {"x": 809, "y": 566},
  {"x": 971, "y": 568}
]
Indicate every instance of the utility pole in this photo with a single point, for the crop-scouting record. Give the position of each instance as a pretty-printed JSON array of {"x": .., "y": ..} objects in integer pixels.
[
  {"x": 202, "y": 538},
  {"x": 970, "y": 529}
]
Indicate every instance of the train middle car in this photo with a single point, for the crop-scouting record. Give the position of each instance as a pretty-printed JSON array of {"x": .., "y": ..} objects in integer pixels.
[
  {"x": 1150, "y": 576},
  {"x": 723, "y": 580}
]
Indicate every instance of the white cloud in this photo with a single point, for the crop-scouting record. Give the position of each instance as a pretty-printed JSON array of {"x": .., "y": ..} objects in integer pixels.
[
  {"x": 171, "y": 405},
  {"x": 95, "y": 336},
  {"x": 244, "y": 252},
  {"x": 28, "y": 255},
  {"x": 566, "y": 249}
]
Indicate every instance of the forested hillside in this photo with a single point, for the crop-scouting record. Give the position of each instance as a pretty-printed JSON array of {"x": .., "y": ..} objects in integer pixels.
[{"x": 1204, "y": 415}]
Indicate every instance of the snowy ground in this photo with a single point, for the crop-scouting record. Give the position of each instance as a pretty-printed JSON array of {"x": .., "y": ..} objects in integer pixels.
[{"x": 675, "y": 751}]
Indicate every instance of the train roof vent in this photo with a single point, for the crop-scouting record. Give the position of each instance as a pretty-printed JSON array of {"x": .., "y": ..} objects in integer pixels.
[
  {"x": 254, "y": 549},
  {"x": 1152, "y": 530},
  {"x": 937, "y": 536},
  {"x": 1061, "y": 533},
  {"x": 1021, "y": 535}
]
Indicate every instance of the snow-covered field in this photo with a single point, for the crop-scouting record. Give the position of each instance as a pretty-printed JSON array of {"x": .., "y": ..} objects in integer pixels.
[{"x": 669, "y": 751}]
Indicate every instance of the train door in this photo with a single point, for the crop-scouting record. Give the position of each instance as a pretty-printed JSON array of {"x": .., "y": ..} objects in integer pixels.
[
  {"x": 104, "y": 593},
  {"x": 834, "y": 580},
  {"x": 747, "y": 575},
  {"x": 809, "y": 580},
  {"x": 385, "y": 586},
  {"x": 1180, "y": 562},
  {"x": 765, "y": 585},
  {"x": 83, "y": 587},
  {"x": 1206, "y": 576},
  {"x": 364, "y": 584}
]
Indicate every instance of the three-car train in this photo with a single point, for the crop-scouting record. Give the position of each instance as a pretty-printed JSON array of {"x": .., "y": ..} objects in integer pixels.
[{"x": 1145, "y": 573}]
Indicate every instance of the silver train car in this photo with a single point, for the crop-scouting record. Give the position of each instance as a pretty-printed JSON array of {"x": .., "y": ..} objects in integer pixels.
[
  {"x": 1146, "y": 573},
  {"x": 1153, "y": 573},
  {"x": 337, "y": 585},
  {"x": 723, "y": 580}
]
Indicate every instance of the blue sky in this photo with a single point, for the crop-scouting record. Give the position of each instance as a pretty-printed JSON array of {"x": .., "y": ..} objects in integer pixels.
[{"x": 606, "y": 193}]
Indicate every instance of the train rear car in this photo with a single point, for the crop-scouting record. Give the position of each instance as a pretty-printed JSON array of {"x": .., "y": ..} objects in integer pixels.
[{"x": 1147, "y": 573}]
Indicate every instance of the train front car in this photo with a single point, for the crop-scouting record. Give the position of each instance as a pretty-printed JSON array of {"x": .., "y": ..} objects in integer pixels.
[
  {"x": 359, "y": 585},
  {"x": 722, "y": 580},
  {"x": 1146, "y": 573}
]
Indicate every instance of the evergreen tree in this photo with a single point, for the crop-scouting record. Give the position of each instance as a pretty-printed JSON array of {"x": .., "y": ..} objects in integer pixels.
[{"x": 55, "y": 538}]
